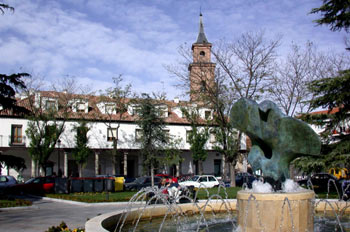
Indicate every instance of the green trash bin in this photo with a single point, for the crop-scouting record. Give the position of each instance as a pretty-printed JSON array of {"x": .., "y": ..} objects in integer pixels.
[
  {"x": 119, "y": 184},
  {"x": 109, "y": 185}
]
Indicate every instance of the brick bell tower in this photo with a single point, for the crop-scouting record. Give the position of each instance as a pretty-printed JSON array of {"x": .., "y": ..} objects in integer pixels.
[{"x": 201, "y": 69}]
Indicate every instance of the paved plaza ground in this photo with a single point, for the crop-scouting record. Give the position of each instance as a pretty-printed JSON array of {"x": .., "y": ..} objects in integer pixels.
[{"x": 45, "y": 213}]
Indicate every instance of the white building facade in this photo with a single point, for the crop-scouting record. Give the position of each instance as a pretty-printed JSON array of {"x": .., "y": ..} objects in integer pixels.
[{"x": 14, "y": 141}]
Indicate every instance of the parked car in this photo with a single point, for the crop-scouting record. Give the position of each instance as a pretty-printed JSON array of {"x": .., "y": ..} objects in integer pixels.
[
  {"x": 184, "y": 177},
  {"x": 320, "y": 182},
  {"x": 37, "y": 185},
  {"x": 5, "y": 183},
  {"x": 141, "y": 182},
  {"x": 244, "y": 177},
  {"x": 167, "y": 177},
  {"x": 206, "y": 181}
]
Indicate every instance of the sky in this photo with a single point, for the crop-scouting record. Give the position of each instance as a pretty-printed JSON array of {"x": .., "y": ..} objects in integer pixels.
[{"x": 96, "y": 40}]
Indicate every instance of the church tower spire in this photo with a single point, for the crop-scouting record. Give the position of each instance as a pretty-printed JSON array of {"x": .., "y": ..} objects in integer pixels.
[
  {"x": 201, "y": 69},
  {"x": 201, "y": 39}
]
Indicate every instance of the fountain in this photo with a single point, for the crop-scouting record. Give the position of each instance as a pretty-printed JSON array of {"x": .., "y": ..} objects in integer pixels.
[
  {"x": 276, "y": 205},
  {"x": 276, "y": 141}
]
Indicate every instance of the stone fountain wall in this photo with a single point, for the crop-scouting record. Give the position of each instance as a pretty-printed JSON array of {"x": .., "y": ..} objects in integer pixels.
[{"x": 275, "y": 211}]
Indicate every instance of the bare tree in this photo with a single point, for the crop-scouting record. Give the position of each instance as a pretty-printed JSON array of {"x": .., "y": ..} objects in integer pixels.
[
  {"x": 289, "y": 85},
  {"x": 179, "y": 69},
  {"x": 336, "y": 62},
  {"x": 247, "y": 62}
]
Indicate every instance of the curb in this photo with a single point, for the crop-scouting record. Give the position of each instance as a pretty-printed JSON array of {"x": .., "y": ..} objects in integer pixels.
[
  {"x": 87, "y": 204},
  {"x": 19, "y": 207}
]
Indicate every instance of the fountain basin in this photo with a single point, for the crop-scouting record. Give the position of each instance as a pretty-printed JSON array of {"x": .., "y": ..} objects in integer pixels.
[
  {"x": 275, "y": 211},
  {"x": 108, "y": 220},
  {"x": 105, "y": 221}
]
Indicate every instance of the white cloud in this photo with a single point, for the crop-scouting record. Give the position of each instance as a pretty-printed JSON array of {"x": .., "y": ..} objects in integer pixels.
[
  {"x": 13, "y": 51},
  {"x": 97, "y": 40}
]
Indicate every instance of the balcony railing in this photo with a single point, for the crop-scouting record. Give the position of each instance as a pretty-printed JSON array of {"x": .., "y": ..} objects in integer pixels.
[{"x": 19, "y": 141}]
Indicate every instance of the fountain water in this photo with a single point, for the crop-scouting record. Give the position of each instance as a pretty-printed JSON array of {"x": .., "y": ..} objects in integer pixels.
[{"x": 152, "y": 210}]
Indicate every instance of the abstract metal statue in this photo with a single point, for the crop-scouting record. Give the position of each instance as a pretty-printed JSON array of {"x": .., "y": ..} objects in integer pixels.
[{"x": 277, "y": 139}]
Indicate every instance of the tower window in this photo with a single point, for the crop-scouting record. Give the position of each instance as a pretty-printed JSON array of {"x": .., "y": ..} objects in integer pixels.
[
  {"x": 202, "y": 53},
  {"x": 203, "y": 86}
]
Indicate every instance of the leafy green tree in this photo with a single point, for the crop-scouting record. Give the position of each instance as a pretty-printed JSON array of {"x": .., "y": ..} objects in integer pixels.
[
  {"x": 153, "y": 137},
  {"x": 43, "y": 133},
  {"x": 333, "y": 94},
  {"x": 9, "y": 85},
  {"x": 10, "y": 161},
  {"x": 335, "y": 13},
  {"x": 49, "y": 111},
  {"x": 81, "y": 151},
  {"x": 228, "y": 144},
  {"x": 197, "y": 138}
]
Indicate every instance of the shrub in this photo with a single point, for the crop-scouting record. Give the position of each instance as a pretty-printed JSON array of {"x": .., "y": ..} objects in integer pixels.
[
  {"x": 63, "y": 227},
  {"x": 14, "y": 203}
]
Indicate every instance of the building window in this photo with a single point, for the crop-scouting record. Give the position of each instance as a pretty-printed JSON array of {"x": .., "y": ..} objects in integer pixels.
[
  {"x": 212, "y": 137},
  {"x": 109, "y": 108},
  {"x": 202, "y": 53},
  {"x": 81, "y": 107},
  {"x": 138, "y": 134},
  {"x": 16, "y": 135},
  {"x": 50, "y": 105},
  {"x": 207, "y": 114},
  {"x": 162, "y": 111},
  {"x": 111, "y": 134},
  {"x": 188, "y": 135},
  {"x": 136, "y": 110},
  {"x": 162, "y": 114},
  {"x": 167, "y": 134}
]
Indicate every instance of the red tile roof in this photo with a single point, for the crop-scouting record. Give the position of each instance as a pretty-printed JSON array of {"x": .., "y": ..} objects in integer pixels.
[
  {"x": 332, "y": 111},
  {"x": 94, "y": 112}
]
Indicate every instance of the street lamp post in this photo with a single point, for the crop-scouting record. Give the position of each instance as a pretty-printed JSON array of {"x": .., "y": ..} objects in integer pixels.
[{"x": 58, "y": 156}]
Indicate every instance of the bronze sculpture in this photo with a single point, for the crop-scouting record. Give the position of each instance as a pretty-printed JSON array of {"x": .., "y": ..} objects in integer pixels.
[{"x": 277, "y": 139}]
